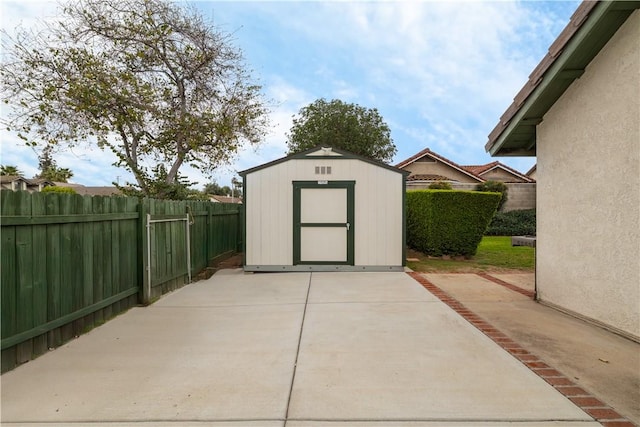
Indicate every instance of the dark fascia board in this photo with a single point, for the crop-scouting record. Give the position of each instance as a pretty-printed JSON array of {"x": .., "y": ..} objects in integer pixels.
[
  {"x": 519, "y": 135},
  {"x": 304, "y": 155}
]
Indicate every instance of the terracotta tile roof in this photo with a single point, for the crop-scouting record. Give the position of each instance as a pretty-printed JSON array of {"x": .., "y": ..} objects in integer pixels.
[
  {"x": 427, "y": 177},
  {"x": 428, "y": 152},
  {"x": 482, "y": 169}
]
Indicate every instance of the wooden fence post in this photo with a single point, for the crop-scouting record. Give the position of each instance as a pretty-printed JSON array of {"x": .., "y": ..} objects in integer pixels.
[{"x": 143, "y": 252}]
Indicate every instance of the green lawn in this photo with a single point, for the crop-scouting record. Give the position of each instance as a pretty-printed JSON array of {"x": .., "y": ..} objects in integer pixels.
[{"x": 495, "y": 253}]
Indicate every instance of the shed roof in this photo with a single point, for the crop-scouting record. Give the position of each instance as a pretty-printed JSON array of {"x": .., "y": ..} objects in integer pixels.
[
  {"x": 589, "y": 29},
  {"x": 330, "y": 154}
]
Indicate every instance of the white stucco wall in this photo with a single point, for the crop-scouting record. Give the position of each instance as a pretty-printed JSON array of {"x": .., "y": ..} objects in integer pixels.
[{"x": 588, "y": 195}]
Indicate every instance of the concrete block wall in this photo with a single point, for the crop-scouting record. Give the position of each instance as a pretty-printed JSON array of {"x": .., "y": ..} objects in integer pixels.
[{"x": 520, "y": 196}]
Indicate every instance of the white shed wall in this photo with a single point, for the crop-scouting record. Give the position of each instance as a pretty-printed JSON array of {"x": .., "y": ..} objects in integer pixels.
[
  {"x": 269, "y": 210},
  {"x": 588, "y": 148}
]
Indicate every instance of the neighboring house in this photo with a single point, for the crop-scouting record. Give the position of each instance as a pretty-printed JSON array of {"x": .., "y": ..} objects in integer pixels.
[
  {"x": 13, "y": 182},
  {"x": 225, "y": 199},
  {"x": 37, "y": 184},
  {"x": 531, "y": 173},
  {"x": 579, "y": 114},
  {"x": 19, "y": 183},
  {"x": 91, "y": 191},
  {"x": 427, "y": 167},
  {"x": 496, "y": 171}
]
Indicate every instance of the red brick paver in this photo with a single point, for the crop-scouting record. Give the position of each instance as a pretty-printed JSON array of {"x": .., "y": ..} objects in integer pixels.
[
  {"x": 601, "y": 412},
  {"x": 508, "y": 285}
]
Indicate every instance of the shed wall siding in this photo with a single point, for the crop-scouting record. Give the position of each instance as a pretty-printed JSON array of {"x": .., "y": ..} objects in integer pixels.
[
  {"x": 269, "y": 210},
  {"x": 588, "y": 148}
]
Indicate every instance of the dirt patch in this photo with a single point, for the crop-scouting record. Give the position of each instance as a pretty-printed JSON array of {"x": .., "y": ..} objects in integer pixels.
[{"x": 234, "y": 261}]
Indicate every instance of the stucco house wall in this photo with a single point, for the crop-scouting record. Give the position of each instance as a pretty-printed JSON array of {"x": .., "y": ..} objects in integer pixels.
[{"x": 588, "y": 148}]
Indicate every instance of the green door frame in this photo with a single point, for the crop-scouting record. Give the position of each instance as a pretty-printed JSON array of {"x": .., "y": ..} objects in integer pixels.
[{"x": 297, "y": 223}]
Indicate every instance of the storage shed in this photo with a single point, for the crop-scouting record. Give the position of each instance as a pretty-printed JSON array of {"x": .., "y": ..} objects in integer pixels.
[{"x": 324, "y": 210}]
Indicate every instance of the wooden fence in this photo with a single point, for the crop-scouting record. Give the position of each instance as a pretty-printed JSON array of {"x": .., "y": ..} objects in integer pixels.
[{"x": 70, "y": 262}]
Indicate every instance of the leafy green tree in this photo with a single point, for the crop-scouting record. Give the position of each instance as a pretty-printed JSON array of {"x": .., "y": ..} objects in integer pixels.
[
  {"x": 56, "y": 174},
  {"x": 217, "y": 190},
  {"x": 342, "y": 125},
  {"x": 150, "y": 80},
  {"x": 159, "y": 188},
  {"x": 495, "y": 187},
  {"x": 10, "y": 170},
  {"x": 49, "y": 169}
]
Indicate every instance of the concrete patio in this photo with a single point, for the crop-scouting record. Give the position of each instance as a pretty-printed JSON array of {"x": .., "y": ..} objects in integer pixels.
[{"x": 286, "y": 349}]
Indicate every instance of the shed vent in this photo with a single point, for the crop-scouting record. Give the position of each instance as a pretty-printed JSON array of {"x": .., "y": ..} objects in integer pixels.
[{"x": 323, "y": 170}]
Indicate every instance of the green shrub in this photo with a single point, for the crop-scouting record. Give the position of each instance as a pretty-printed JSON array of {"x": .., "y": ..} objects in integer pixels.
[
  {"x": 56, "y": 189},
  {"x": 495, "y": 187},
  {"x": 447, "y": 222},
  {"x": 440, "y": 185},
  {"x": 513, "y": 223}
]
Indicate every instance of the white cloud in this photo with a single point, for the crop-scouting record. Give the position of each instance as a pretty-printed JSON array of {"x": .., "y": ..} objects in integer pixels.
[{"x": 440, "y": 73}]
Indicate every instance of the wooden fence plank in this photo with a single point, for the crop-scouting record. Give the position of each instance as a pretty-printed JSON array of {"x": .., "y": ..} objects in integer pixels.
[
  {"x": 24, "y": 276},
  {"x": 98, "y": 257},
  {"x": 39, "y": 255},
  {"x": 77, "y": 267},
  {"x": 52, "y": 204},
  {"x": 107, "y": 263},
  {"x": 8, "y": 274},
  {"x": 70, "y": 262},
  {"x": 67, "y": 286}
]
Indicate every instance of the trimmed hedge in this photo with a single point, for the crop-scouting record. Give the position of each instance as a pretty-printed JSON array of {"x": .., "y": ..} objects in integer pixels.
[
  {"x": 56, "y": 189},
  {"x": 445, "y": 222},
  {"x": 513, "y": 223}
]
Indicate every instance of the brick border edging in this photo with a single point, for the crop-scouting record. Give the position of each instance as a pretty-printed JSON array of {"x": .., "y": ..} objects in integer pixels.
[
  {"x": 508, "y": 285},
  {"x": 597, "y": 409}
]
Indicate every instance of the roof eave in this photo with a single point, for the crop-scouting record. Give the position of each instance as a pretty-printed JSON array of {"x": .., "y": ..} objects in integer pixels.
[{"x": 517, "y": 137}]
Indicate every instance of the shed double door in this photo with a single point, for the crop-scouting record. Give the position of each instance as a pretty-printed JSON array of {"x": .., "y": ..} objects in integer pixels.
[{"x": 323, "y": 214}]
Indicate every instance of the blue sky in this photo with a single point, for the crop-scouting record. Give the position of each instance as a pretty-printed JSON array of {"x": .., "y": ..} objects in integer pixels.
[{"x": 440, "y": 73}]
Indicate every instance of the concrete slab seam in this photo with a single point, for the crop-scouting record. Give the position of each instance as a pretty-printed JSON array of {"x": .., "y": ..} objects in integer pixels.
[
  {"x": 507, "y": 285},
  {"x": 584, "y": 400},
  {"x": 441, "y": 421},
  {"x": 295, "y": 362}
]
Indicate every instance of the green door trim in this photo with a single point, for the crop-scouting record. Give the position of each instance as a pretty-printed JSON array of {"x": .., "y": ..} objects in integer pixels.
[{"x": 297, "y": 223}]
